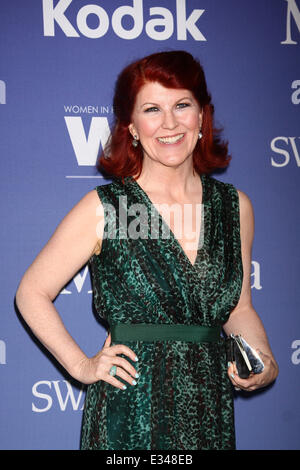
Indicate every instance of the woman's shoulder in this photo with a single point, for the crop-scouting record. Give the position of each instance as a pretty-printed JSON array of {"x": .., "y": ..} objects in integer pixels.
[
  {"x": 227, "y": 187},
  {"x": 217, "y": 187},
  {"x": 116, "y": 187},
  {"x": 218, "y": 184},
  {"x": 230, "y": 190}
]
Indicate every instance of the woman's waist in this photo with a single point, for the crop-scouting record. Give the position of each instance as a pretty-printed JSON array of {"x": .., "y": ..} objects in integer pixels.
[{"x": 150, "y": 332}]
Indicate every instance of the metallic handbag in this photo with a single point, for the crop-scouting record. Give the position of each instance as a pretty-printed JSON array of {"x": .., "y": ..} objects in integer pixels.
[{"x": 245, "y": 357}]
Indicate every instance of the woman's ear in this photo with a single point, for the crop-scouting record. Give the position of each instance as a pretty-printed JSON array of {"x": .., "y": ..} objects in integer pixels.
[
  {"x": 132, "y": 130},
  {"x": 200, "y": 118}
]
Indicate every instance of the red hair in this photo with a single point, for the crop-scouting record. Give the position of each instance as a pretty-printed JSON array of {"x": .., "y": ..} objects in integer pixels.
[{"x": 174, "y": 69}]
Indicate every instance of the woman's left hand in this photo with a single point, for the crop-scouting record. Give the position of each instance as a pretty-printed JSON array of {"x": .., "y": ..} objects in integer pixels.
[{"x": 254, "y": 381}]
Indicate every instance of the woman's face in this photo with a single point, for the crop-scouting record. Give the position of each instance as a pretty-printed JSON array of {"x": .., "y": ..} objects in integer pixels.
[{"x": 167, "y": 122}]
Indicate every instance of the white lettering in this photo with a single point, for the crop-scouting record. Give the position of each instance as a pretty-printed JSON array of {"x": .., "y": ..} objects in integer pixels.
[
  {"x": 43, "y": 396},
  {"x": 138, "y": 227},
  {"x": 85, "y": 109},
  {"x": 166, "y": 21},
  {"x": 76, "y": 403},
  {"x": 160, "y": 28},
  {"x": 117, "y": 460},
  {"x": 136, "y": 12},
  {"x": 79, "y": 280},
  {"x": 256, "y": 275},
  {"x": 184, "y": 25},
  {"x": 2, "y": 92},
  {"x": 292, "y": 9},
  {"x": 87, "y": 149},
  {"x": 51, "y": 14},
  {"x": 2, "y": 352},
  {"x": 107, "y": 214},
  {"x": 102, "y": 28},
  {"x": 295, "y": 150},
  {"x": 280, "y": 151},
  {"x": 296, "y": 94},
  {"x": 70, "y": 396},
  {"x": 296, "y": 354},
  {"x": 285, "y": 153}
]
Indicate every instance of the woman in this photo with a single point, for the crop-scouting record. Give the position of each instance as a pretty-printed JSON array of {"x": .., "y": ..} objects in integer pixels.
[{"x": 169, "y": 249}]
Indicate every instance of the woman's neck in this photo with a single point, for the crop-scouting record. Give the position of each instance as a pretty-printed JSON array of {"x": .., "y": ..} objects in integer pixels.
[{"x": 178, "y": 182}]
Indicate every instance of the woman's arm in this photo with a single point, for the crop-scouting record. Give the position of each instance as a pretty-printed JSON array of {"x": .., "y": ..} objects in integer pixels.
[
  {"x": 243, "y": 319},
  {"x": 74, "y": 241}
]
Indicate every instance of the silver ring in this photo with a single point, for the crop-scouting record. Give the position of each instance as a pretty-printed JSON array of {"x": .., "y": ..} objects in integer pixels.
[{"x": 113, "y": 371}]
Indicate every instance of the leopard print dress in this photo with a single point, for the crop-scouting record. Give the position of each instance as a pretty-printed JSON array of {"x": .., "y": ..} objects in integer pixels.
[{"x": 183, "y": 399}]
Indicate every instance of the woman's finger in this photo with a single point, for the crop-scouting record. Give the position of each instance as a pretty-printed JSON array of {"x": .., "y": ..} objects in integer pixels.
[
  {"x": 232, "y": 371},
  {"x": 107, "y": 341},
  {"x": 237, "y": 382},
  {"x": 120, "y": 372},
  {"x": 115, "y": 382},
  {"x": 125, "y": 365},
  {"x": 122, "y": 349},
  {"x": 105, "y": 361},
  {"x": 250, "y": 384}
]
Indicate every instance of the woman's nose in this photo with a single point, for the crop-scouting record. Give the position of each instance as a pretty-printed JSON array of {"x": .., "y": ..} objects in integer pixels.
[{"x": 169, "y": 120}]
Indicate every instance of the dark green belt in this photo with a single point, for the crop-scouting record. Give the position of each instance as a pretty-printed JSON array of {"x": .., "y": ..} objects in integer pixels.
[{"x": 163, "y": 332}]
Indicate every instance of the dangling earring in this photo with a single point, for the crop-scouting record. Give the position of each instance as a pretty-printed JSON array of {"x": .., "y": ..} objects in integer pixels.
[
  {"x": 200, "y": 135},
  {"x": 135, "y": 141}
]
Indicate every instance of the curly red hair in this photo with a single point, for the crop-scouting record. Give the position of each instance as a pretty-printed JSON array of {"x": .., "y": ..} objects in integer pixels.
[{"x": 173, "y": 69}]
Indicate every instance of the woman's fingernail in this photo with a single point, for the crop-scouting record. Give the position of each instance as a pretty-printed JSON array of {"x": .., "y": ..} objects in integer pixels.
[
  {"x": 136, "y": 359},
  {"x": 133, "y": 382},
  {"x": 232, "y": 376},
  {"x": 228, "y": 364},
  {"x": 124, "y": 387},
  {"x": 137, "y": 375}
]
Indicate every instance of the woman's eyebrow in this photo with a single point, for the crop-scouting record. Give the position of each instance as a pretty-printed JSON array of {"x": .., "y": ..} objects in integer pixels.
[
  {"x": 155, "y": 104},
  {"x": 147, "y": 103}
]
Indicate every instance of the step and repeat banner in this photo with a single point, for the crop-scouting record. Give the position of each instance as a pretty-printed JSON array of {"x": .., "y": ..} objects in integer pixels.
[{"x": 59, "y": 60}]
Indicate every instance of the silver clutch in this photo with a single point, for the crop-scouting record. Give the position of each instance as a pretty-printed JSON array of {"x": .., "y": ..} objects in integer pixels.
[{"x": 247, "y": 360}]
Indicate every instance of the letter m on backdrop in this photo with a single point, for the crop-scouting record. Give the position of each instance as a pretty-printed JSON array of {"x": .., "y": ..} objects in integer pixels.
[{"x": 292, "y": 12}]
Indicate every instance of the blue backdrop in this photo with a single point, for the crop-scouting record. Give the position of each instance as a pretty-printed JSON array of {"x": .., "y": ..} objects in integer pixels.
[{"x": 59, "y": 61}]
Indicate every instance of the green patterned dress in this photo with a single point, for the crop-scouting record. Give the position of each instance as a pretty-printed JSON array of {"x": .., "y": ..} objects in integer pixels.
[{"x": 183, "y": 397}]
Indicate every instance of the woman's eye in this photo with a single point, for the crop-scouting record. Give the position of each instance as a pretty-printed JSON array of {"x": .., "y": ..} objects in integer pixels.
[
  {"x": 182, "y": 105},
  {"x": 152, "y": 109}
]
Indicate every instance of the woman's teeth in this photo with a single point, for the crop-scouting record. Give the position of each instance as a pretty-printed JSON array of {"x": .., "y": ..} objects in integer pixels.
[{"x": 170, "y": 140}]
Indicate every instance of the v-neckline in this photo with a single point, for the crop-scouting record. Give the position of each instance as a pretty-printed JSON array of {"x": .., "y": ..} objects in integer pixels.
[{"x": 201, "y": 237}]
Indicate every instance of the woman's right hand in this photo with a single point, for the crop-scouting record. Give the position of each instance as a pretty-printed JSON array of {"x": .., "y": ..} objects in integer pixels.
[{"x": 97, "y": 368}]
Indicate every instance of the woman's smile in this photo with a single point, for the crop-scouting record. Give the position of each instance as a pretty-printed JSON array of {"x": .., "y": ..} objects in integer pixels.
[{"x": 171, "y": 140}]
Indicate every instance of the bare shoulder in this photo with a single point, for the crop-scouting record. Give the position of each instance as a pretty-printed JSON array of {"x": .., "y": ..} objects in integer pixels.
[
  {"x": 89, "y": 202},
  {"x": 81, "y": 223},
  {"x": 245, "y": 201},
  {"x": 246, "y": 215},
  {"x": 76, "y": 238},
  {"x": 246, "y": 207},
  {"x": 84, "y": 211}
]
